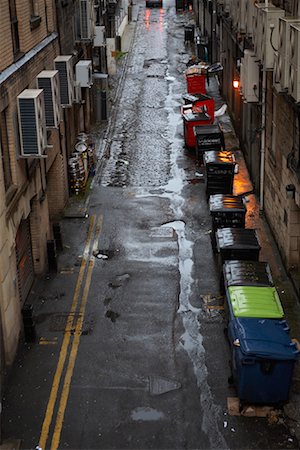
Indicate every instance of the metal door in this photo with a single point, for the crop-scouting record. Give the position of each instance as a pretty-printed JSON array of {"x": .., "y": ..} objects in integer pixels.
[{"x": 24, "y": 259}]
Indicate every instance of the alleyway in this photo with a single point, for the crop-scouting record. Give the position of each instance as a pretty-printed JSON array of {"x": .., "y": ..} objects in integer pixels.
[{"x": 131, "y": 350}]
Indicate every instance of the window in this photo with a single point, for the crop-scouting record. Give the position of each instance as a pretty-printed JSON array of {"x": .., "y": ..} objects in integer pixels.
[
  {"x": 14, "y": 27},
  {"x": 35, "y": 18},
  {"x": 4, "y": 147}
]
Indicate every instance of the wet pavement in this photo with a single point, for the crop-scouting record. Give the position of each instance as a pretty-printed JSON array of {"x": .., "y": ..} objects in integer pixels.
[{"x": 131, "y": 351}]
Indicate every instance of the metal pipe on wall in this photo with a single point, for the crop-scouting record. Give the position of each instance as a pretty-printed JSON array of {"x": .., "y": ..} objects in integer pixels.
[{"x": 263, "y": 140}]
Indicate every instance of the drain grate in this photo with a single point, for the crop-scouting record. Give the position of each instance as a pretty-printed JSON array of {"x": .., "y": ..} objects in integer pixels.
[
  {"x": 59, "y": 321},
  {"x": 162, "y": 232}
]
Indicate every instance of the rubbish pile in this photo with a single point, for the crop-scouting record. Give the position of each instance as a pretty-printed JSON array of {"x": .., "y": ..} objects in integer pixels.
[
  {"x": 81, "y": 163},
  {"x": 263, "y": 355}
]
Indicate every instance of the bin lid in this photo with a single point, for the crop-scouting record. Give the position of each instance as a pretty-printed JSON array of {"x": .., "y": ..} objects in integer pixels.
[
  {"x": 247, "y": 273},
  {"x": 223, "y": 157},
  {"x": 237, "y": 238},
  {"x": 222, "y": 202},
  {"x": 264, "y": 338},
  {"x": 196, "y": 117},
  {"x": 208, "y": 130},
  {"x": 192, "y": 98},
  {"x": 252, "y": 301}
]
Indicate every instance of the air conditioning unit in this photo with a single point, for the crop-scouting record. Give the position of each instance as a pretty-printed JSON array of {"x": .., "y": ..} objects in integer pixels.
[
  {"x": 66, "y": 79},
  {"x": 249, "y": 77},
  {"x": 269, "y": 35},
  {"x": 86, "y": 19},
  {"x": 294, "y": 63},
  {"x": 48, "y": 80},
  {"x": 99, "y": 37},
  {"x": 84, "y": 74},
  {"x": 32, "y": 124},
  {"x": 284, "y": 47}
]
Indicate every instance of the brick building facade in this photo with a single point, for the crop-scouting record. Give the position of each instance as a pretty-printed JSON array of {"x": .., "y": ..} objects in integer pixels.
[{"x": 33, "y": 190}]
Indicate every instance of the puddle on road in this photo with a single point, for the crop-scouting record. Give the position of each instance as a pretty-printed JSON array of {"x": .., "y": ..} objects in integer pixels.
[
  {"x": 146, "y": 414},
  {"x": 185, "y": 255}
]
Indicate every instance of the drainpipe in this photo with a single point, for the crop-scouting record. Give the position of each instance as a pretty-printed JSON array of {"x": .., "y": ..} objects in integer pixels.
[
  {"x": 263, "y": 134},
  {"x": 263, "y": 140}
]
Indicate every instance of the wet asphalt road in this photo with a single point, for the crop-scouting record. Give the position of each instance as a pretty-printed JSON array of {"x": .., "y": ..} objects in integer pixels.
[{"x": 147, "y": 360}]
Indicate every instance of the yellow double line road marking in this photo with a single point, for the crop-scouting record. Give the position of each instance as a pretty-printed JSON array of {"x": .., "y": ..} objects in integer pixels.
[{"x": 86, "y": 267}]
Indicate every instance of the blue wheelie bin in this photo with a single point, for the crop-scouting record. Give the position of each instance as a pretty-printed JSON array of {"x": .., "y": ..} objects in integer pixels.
[{"x": 263, "y": 359}]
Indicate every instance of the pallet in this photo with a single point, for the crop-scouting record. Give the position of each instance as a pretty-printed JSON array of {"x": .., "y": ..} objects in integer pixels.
[{"x": 236, "y": 409}]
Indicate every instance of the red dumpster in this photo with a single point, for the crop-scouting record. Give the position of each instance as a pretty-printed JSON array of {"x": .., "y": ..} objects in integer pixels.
[
  {"x": 190, "y": 120},
  {"x": 196, "y": 83},
  {"x": 198, "y": 101},
  {"x": 196, "y": 78}
]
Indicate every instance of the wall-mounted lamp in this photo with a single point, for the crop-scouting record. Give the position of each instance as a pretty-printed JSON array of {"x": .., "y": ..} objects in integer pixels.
[
  {"x": 236, "y": 84},
  {"x": 290, "y": 191}
]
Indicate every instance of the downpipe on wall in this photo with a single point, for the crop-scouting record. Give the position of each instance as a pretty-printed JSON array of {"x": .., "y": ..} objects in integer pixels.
[
  {"x": 263, "y": 136},
  {"x": 263, "y": 140}
]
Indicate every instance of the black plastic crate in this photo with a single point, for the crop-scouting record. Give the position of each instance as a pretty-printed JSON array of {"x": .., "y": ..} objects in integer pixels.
[
  {"x": 227, "y": 211},
  {"x": 208, "y": 137},
  {"x": 219, "y": 167},
  {"x": 245, "y": 273},
  {"x": 237, "y": 244},
  {"x": 189, "y": 33}
]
